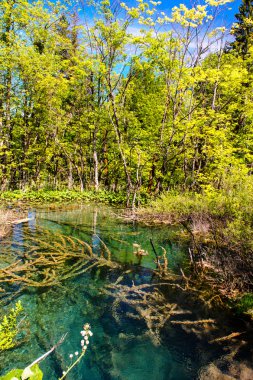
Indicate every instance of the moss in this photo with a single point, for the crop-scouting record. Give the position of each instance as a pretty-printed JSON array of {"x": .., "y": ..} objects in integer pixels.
[{"x": 245, "y": 304}]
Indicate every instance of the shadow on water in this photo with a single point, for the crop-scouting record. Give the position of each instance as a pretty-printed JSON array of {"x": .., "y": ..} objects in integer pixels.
[{"x": 123, "y": 346}]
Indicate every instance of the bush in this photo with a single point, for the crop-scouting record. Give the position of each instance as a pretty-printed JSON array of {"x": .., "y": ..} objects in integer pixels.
[{"x": 47, "y": 196}]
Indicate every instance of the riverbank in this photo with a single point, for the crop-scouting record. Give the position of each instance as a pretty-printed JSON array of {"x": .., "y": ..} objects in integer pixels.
[
  {"x": 219, "y": 227},
  {"x": 8, "y": 218}
]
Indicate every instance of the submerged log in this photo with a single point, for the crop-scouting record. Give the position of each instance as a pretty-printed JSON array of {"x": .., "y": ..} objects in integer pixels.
[{"x": 24, "y": 220}]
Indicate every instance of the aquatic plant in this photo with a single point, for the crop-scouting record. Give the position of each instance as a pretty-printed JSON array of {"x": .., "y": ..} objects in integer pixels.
[
  {"x": 33, "y": 372},
  {"x": 86, "y": 334},
  {"x": 9, "y": 327},
  {"x": 51, "y": 258},
  {"x": 147, "y": 303}
]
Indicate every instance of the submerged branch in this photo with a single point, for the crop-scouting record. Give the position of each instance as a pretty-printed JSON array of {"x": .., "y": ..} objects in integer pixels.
[
  {"x": 148, "y": 303},
  {"x": 44, "y": 356},
  {"x": 50, "y": 259}
]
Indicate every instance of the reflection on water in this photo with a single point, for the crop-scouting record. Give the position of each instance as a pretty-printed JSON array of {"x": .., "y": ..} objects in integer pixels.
[
  {"x": 92, "y": 223},
  {"x": 121, "y": 347}
]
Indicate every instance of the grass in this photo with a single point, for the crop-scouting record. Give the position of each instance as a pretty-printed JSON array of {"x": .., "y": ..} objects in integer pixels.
[
  {"x": 229, "y": 206},
  {"x": 227, "y": 215}
]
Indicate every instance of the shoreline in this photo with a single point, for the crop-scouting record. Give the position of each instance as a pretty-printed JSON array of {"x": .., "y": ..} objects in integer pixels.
[
  {"x": 9, "y": 218},
  {"x": 214, "y": 262}
]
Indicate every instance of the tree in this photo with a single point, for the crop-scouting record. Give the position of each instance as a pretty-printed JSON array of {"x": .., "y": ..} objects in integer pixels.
[
  {"x": 243, "y": 29},
  {"x": 101, "y": 106}
]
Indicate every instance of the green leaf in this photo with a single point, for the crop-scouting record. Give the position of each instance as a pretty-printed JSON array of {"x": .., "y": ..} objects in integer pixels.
[
  {"x": 37, "y": 374},
  {"x": 12, "y": 374}
]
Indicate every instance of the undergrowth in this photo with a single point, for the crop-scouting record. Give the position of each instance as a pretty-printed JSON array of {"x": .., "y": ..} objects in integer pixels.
[
  {"x": 44, "y": 196},
  {"x": 227, "y": 210}
]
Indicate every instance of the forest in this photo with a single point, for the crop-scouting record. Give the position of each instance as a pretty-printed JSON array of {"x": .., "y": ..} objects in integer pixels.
[{"x": 107, "y": 96}]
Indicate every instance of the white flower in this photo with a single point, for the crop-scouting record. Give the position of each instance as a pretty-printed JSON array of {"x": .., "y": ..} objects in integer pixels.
[
  {"x": 86, "y": 338},
  {"x": 76, "y": 353},
  {"x": 82, "y": 333},
  {"x": 71, "y": 356},
  {"x": 85, "y": 347},
  {"x": 91, "y": 333},
  {"x": 82, "y": 342},
  {"x": 87, "y": 342},
  {"x": 64, "y": 372}
]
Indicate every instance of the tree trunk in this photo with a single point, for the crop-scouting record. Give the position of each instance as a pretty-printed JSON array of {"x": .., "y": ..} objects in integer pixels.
[
  {"x": 95, "y": 159},
  {"x": 70, "y": 177}
]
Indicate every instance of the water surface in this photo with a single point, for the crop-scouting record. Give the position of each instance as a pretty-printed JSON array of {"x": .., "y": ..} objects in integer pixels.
[{"x": 122, "y": 347}]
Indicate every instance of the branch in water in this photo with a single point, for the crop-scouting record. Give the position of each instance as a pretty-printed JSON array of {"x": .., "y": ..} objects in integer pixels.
[{"x": 48, "y": 352}]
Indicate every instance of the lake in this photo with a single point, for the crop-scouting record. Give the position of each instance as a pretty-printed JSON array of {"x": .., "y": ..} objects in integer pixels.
[{"x": 144, "y": 328}]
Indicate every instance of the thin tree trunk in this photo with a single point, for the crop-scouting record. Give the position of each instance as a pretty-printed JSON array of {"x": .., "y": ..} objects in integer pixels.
[
  {"x": 115, "y": 123},
  {"x": 216, "y": 83},
  {"x": 95, "y": 158},
  {"x": 70, "y": 177}
]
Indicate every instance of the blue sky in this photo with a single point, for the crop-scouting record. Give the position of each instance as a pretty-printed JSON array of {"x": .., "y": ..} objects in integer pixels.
[
  {"x": 227, "y": 16},
  {"x": 168, "y": 4}
]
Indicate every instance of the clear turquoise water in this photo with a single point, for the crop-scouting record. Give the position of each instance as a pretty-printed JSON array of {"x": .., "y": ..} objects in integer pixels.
[{"x": 121, "y": 347}]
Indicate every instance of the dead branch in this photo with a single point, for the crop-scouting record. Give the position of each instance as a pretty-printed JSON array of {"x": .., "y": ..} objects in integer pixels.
[
  {"x": 46, "y": 258},
  {"x": 227, "y": 337},
  {"x": 199, "y": 322}
]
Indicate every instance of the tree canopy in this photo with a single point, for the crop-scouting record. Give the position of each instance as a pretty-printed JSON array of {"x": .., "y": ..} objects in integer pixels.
[{"x": 134, "y": 99}]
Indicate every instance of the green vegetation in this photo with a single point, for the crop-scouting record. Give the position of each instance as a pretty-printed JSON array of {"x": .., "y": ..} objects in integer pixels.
[
  {"x": 47, "y": 196},
  {"x": 243, "y": 30},
  {"x": 245, "y": 304},
  {"x": 9, "y": 328},
  {"x": 219, "y": 225},
  {"x": 34, "y": 373},
  {"x": 230, "y": 205},
  {"x": 98, "y": 106}
]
